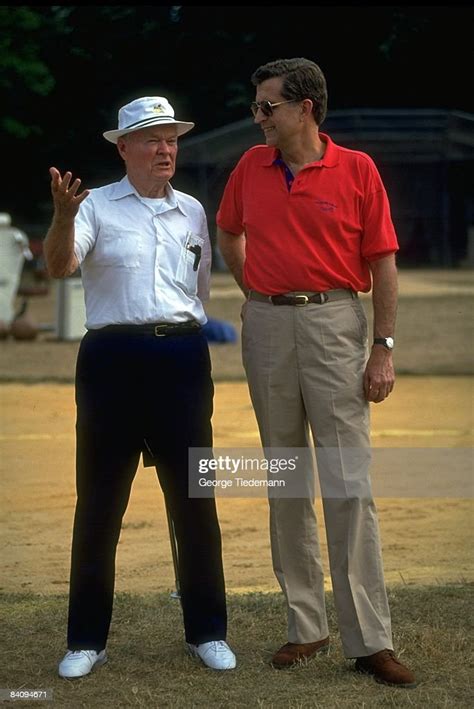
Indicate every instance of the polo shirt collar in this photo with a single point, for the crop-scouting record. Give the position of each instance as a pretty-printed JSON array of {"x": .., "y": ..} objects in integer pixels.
[
  {"x": 329, "y": 159},
  {"x": 124, "y": 188},
  {"x": 331, "y": 154}
]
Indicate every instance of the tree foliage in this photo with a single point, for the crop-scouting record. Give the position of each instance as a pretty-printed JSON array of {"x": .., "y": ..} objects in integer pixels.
[
  {"x": 23, "y": 73},
  {"x": 65, "y": 70}
]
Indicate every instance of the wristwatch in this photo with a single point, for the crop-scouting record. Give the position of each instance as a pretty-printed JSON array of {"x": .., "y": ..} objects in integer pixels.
[{"x": 387, "y": 342}]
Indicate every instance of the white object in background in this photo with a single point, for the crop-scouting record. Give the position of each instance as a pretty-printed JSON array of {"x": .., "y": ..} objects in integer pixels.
[
  {"x": 13, "y": 252},
  {"x": 70, "y": 309}
]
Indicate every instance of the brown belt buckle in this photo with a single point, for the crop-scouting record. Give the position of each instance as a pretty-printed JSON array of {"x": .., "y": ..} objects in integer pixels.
[
  {"x": 304, "y": 297},
  {"x": 157, "y": 331}
]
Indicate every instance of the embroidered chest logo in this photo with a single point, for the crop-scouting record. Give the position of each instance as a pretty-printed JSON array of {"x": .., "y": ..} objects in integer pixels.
[{"x": 325, "y": 206}]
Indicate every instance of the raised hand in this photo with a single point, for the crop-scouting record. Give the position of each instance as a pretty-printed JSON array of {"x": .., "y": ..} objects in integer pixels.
[{"x": 65, "y": 197}]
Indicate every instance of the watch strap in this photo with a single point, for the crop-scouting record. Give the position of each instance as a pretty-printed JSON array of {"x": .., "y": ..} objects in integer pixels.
[{"x": 387, "y": 342}]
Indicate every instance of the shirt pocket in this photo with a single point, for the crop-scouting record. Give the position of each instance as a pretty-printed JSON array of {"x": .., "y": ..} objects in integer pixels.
[
  {"x": 188, "y": 264},
  {"x": 118, "y": 248}
]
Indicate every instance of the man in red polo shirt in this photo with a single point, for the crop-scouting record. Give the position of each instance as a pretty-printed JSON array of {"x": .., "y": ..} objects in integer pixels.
[{"x": 304, "y": 222}]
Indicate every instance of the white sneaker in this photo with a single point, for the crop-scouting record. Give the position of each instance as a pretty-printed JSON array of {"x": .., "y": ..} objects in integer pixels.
[
  {"x": 77, "y": 663},
  {"x": 217, "y": 654}
]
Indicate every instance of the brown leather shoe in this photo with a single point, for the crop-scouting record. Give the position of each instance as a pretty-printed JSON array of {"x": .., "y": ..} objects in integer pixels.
[
  {"x": 293, "y": 654},
  {"x": 386, "y": 669}
]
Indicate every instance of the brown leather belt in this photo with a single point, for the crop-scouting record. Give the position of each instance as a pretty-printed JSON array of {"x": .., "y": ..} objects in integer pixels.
[{"x": 300, "y": 298}]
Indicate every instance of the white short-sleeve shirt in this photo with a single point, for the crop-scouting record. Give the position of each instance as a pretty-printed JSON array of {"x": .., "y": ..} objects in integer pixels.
[{"x": 139, "y": 257}]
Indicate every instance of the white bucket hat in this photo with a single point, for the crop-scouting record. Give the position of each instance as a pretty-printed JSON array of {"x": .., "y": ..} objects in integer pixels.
[{"x": 145, "y": 112}]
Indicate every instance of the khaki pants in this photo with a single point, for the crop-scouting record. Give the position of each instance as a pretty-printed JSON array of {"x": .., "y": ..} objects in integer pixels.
[{"x": 305, "y": 370}]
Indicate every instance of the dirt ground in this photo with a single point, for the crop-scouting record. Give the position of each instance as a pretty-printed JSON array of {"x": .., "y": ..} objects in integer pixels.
[{"x": 425, "y": 539}]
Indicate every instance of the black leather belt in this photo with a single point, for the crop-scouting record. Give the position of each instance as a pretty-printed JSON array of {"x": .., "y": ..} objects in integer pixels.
[
  {"x": 304, "y": 297},
  {"x": 161, "y": 329}
]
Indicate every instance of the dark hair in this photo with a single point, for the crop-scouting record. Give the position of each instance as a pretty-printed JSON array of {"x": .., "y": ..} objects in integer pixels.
[{"x": 302, "y": 79}]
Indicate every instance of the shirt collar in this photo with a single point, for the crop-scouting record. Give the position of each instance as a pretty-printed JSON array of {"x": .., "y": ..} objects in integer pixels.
[
  {"x": 329, "y": 159},
  {"x": 124, "y": 188}
]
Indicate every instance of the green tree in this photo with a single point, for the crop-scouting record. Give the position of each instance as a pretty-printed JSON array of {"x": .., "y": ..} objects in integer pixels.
[
  {"x": 23, "y": 72},
  {"x": 65, "y": 70}
]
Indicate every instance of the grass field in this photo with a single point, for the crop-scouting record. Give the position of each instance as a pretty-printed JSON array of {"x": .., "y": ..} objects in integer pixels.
[
  {"x": 148, "y": 666},
  {"x": 426, "y": 540}
]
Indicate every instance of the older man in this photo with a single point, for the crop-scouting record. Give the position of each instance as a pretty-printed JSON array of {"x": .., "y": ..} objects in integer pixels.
[
  {"x": 143, "y": 380},
  {"x": 304, "y": 224}
]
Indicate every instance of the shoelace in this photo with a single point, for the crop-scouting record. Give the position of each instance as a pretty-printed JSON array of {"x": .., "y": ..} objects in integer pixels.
[
  {"x": 76, "y": 654},
  {"x": 219, "y": 646},
  {"x": 389, "y": 655}
]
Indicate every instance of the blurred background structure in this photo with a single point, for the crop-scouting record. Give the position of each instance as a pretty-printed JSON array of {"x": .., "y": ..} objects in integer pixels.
[
  {"x": 425, "y": 156},
  {"x": 400, "y": 88},
  {"x": 399, "y": 80}
]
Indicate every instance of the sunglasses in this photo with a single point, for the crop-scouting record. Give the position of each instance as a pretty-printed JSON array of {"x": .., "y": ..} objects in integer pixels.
[{"x": 267, "y": 107}]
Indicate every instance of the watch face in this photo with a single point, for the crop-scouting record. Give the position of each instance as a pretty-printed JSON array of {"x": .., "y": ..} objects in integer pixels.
[{"x": 389, "y": 342}]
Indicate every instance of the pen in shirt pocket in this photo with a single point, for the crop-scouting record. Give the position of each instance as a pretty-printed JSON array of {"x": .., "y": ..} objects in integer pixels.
[{"x": 196, "y": 250}]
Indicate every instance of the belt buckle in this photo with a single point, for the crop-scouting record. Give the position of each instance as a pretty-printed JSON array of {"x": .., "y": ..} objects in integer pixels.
[
  {"x": 157, "y": 331},
  {"x": 304, "y": 297}
]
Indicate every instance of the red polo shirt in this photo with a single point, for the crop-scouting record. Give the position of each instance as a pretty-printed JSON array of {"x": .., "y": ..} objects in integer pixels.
[{"x": 318, "y": 235}]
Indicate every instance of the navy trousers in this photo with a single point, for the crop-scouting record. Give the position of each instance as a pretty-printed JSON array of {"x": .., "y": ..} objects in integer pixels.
[{"x": 137, "y": 392}]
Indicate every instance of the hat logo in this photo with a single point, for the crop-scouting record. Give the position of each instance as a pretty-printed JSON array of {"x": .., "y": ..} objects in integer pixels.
[{"x": 158, "y": 108}]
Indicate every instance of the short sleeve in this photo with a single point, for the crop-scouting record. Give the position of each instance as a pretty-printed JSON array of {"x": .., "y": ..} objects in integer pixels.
[
  {"x": 230, "y": 214},
  {"x": 85, "y": 229},
  {"x": 379, "y": 238}
]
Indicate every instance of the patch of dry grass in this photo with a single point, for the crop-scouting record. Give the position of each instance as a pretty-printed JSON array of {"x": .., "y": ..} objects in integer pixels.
[{"x": 148, "y": 666}]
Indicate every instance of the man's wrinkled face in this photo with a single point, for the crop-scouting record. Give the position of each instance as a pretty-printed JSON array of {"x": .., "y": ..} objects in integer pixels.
[{"x": 150, "y": 154}]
